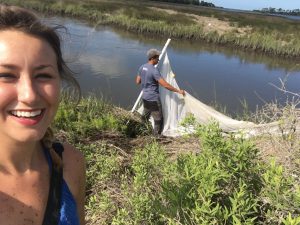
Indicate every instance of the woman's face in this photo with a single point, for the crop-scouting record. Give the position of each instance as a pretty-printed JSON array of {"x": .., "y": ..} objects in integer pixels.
[{"x": 29, "y": 86}]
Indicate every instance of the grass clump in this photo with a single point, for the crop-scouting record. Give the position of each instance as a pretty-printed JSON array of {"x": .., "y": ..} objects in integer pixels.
[{"x": 91, "y": 117}]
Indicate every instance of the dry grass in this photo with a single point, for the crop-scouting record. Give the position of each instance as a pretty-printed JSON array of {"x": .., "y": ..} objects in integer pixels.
[
  {"x": 211, "y": 24},
  {"x": 283, "y": 147}
]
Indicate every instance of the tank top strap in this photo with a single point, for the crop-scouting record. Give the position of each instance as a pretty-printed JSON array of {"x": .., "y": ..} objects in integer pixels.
[{"x": 52, "y": 213}]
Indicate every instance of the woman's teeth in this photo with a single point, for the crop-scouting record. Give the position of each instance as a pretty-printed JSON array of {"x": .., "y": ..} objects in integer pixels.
[{"x": 26, "y": 113}]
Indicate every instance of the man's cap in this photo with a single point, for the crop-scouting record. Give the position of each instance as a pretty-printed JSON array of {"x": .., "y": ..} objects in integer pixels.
[{"x": 152, "y": 52}]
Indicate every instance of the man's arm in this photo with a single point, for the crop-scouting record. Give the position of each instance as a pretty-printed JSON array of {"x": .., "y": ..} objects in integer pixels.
[
  {"x": 138, "y": 79},
  {"x": 168, "y": 86}
]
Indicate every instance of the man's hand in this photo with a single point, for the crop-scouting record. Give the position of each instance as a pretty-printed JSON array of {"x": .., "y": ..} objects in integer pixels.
[
  {"x": 168, "y": 86},
  {"x": 181, "y": 92}
]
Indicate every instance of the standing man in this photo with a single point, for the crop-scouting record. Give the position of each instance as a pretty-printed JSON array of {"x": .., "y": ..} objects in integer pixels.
[{"x": 150, "y": 78}]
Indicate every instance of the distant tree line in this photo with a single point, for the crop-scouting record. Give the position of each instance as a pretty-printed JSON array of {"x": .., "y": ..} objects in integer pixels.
[
  {"x": 192, "y": 2},
  {"x": 294, "y": 12}
]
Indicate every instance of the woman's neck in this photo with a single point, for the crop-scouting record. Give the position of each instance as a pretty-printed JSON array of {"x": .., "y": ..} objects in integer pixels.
[{"x": 18, "y": 158}]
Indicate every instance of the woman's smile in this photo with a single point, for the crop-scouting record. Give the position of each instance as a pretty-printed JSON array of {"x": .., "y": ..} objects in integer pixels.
[{"x": 27, "y": 117}]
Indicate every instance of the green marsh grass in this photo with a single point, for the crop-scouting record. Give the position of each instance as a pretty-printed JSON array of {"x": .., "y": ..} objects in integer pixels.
[
  {"x": 271, "y": 35},
  {"x": 224, "y": 182}
]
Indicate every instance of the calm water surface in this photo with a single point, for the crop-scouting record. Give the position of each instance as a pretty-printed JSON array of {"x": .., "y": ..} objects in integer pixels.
[{"x": 106, "y": 61}]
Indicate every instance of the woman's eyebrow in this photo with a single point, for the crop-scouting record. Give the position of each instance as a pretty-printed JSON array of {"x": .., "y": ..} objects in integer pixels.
[
  {"x": 15, "y": 67},
  {"x": 40, "y": 67},
  {"x": 9, "y": 66}
]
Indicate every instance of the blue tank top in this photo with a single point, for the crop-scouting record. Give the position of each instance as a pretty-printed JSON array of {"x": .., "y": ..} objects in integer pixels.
[{"x": 68, "y": 211}]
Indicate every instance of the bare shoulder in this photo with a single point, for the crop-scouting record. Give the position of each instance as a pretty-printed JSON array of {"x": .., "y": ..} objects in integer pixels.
[
  {"x": 74, "y": 168},
  {"x": 72, "y": 156},
  {"x": 74, "y": 175}
]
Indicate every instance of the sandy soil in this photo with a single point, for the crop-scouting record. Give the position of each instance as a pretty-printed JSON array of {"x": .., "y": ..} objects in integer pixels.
[{"x": 210, "y": 24}]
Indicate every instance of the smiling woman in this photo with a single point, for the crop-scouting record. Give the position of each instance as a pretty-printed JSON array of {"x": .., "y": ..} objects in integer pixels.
[
  {"x": 42, "y": 182},
  {"x": 30, "y": 86}
]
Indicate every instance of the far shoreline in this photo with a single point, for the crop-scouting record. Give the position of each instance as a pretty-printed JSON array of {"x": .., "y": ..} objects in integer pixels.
[{"x": 267, "y": 34}]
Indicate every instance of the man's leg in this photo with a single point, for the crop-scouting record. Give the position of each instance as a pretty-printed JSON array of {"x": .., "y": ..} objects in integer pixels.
[
  {"x": 158, "y": 118},
  {"x": 154, "y": 109},
  {"x": 147, "y": 111}
]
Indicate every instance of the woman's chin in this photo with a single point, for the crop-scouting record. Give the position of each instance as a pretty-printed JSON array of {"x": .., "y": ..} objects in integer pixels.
[{"x": 29, "y": 137}]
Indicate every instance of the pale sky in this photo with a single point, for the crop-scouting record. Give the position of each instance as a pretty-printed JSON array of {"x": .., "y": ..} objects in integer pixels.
[{"x": 256, "y": 4}]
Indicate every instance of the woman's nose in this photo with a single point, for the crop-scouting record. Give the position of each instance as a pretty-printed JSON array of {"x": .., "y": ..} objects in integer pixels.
[{"x": 27, "y": 90}]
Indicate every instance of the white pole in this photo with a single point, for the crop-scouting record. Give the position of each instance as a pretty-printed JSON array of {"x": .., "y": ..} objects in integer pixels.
[{"x": 160, "y": 56}]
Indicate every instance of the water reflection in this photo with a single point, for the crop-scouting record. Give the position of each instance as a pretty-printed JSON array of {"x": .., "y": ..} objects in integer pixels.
[
  {"x": 106, "y": 61},
  {"x": 272, "y": 62}
]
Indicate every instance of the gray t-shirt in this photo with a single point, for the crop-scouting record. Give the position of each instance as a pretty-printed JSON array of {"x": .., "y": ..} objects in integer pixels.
[{"x": 149, "y": 79}]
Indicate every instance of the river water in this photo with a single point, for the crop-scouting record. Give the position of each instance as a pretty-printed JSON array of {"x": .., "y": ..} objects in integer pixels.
[{"x": 106, "y": 61}]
